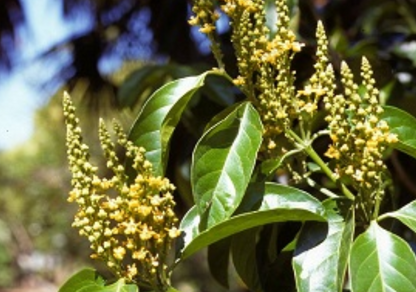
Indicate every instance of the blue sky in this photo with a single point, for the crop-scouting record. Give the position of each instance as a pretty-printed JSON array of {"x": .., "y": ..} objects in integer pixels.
[{"x": 44, "y": 27}]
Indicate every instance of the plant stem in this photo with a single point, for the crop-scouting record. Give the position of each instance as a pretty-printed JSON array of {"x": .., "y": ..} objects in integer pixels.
[
  {"x": 323, "y": 190},
  {"x": 382, "y": 217},
  {"x": 378, "y": 200},
  {"x": 318, "y": 160}
]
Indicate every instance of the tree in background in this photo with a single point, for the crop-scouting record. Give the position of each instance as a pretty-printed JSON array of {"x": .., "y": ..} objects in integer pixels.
[{"x": 129, "y": 30}]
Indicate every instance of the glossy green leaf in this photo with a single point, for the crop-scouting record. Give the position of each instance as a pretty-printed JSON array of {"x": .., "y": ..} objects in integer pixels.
[
  {"x": 403, "y": 125},
  {"x": 406, "y": 215},
  {"x": 87, "y": 280},
  {"x": 262, "y": 204},
  {"x": 322, "y": 251},
  {"x": 221, "y": 115},
  {"x": 223, "y": 162},
  {"x": 119, "y": 286},
  {"x": 83, "y": 278},
  {"x": 190, "y": 226},
  {"x": 159, "y": 116},
  {"x": 381, "y": 261}
]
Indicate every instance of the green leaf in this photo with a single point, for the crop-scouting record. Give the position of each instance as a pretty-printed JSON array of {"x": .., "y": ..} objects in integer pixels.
[
  {"x": 171, "y": 289},
  {"x": 190, "y": 225},
  {"x": 219, "y": 90},
  {"x": 244, "y": 255},
  {"x": 159, "y": 116},
  {"x": 406, "y": 215},
  {"x": 221, "y": 115},
  {"x": 381, "y": 261},
  {"x": 223, "y": 162},
  {"x": 270, "y": 166},
  {"x": 271, "y": 17},
  {"x": 403, "y": 125},
  {"x": 144, "y": 79},
  {"x": 85, "y": 277},
  {"x": 263, "y": 204},
  {"x": 405, "y": 49},
  {"x": 119, "y": 286},
  {"x": 87, "y": 280},
  {"x": 219, "y": 260},
  {"x": 321, "y": 254}
]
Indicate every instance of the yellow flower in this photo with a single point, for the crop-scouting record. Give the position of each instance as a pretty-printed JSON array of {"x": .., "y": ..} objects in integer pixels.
[
  {"x": 193, "y": 20},
  {"x": 310, "y": 107},
  {"x": 119, "y": 253},
  {"x": 207, "y": 28},
  {"x": 332, "y": 152},
  {"x": 131, "y": 271},
  {"x": 145, "y": 233},
  {"x": 392, "y": 138},
  {"x": 140, "y": 254},
  {"x": 130, "y": 227},
  {"x": 174, "y": 232}
]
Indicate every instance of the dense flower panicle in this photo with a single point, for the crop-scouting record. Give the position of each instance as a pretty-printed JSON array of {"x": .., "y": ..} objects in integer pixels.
[
  {"x": 321, "y": 84},
  {"x": 131, "y": 230},
  {"x": 359, "y": 136},
  {"x": 264, "y": 64},
  {"x": 205, "y": 15},
  {"x": 249, "y": 38}
]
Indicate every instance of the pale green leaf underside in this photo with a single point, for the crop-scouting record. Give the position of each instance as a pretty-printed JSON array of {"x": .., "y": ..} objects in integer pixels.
[
  {"x": 406, "y": 214},
  {"x": 263, "y": 204},
  {"x": 321, "y": 268},
  {"x": 381, "y": 261}
]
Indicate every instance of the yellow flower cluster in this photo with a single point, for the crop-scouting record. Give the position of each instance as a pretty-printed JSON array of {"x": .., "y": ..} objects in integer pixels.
[
  {"x": 359, "y": 136},
  {"x": 205, "y": 17},
  {"x": 130, "y": 225},
  {"x": 322, "y": 82},
  {"x": 265, "y": 76},
  {"x": 264, "y": 63}
]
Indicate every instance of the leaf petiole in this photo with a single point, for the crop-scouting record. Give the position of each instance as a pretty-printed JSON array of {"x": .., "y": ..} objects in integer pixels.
[{"x": 306, "y": 146}]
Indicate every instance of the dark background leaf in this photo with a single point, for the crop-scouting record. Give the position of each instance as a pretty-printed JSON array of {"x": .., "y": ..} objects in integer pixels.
[{"x": 219, "y": 261}]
